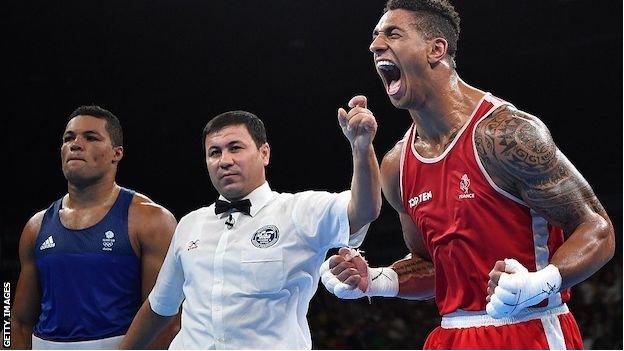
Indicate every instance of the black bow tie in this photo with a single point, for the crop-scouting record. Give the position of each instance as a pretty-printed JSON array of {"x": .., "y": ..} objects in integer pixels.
[{"x": 238, "y": 206}]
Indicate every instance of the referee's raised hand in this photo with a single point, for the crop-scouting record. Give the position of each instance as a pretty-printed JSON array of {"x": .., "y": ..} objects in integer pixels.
[{"x": 359, "y": 124}]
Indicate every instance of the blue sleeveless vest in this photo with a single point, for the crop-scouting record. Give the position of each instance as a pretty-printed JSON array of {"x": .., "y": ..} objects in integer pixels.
[{"x": 90, "y": 278}]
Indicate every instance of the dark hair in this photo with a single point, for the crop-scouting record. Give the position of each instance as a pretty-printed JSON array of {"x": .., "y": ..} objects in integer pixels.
[
  {"x": 254, "y": 125},
  {"x": 436, "y": 18},
  {"x": 113, "y": 127}
]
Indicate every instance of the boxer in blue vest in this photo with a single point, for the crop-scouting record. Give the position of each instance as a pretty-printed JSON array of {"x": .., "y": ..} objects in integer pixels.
[{"x": 91, "y": 258}]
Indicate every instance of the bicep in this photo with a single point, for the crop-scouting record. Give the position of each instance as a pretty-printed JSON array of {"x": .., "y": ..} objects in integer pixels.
[
  {"x": 27, "y": 293},
  {"x": 154, "y": 241},
  {"x": 561, "y": 195}
]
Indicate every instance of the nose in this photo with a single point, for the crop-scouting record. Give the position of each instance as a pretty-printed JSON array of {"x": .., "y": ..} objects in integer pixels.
[
  {"x": 378, "y": 45},
  {"x": 76, "y": 144},
  {"x": 226, "y": 160}
]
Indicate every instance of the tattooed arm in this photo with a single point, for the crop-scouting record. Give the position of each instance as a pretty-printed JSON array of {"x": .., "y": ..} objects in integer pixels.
[{"x": 520, "y": 155}]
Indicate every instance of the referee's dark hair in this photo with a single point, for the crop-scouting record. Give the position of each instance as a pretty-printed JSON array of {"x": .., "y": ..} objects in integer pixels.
[{"x": 254, "y": 125}]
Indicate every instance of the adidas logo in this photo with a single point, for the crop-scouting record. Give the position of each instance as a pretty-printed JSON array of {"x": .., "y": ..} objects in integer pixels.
[{"x": 48, "y": 243}]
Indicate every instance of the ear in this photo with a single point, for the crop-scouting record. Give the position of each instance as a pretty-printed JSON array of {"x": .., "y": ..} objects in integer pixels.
[
  {"x": 438, "y": 48},
  {"x": 265, "y": 153},
  {"x": 117, "y": 153}
]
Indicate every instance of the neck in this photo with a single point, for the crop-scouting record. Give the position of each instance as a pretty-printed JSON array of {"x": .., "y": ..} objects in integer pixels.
[
  {"x": 447, "y": 108},
  {"x": 90, "y": 195},
  {"x": 237, "y": 197}
]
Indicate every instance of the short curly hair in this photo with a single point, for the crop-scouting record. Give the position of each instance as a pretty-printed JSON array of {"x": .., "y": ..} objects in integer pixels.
[
  {"x": 113, "y": 127},
  {"x": 436, "y": 18}
]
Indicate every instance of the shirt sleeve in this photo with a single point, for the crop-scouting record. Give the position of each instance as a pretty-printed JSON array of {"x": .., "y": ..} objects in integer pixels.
[
  {"x": 323, "y": 217},
  {"x": 167, "y": 295}
]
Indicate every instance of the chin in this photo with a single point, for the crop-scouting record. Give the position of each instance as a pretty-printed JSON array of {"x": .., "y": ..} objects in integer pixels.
[
  {"x": 400, "y": 103},
  {"x": 72, "y": 176},
  {"x": 405, "y": 102},
  {"x": 231, "y": 192},
  {"x": 78, "y": 179},
  {"x": 396, "y": 103}
]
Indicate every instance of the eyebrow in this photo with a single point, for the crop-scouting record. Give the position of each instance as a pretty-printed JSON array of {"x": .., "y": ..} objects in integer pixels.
[
  {"x": 386, "y": 30},
  {"x": 71, "y": 132},
  {"x": 233, "y": 142}
]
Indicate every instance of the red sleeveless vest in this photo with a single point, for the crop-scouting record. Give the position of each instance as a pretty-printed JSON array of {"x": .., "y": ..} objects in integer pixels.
[{"x": 467, "y": 221}]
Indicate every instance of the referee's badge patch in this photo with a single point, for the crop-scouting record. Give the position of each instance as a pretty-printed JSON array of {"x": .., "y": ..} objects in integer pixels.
[{"x": 266, "y": 236}]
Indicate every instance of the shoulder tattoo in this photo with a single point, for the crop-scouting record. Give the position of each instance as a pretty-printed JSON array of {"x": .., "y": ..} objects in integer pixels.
[{"x": 519, "y": 152}]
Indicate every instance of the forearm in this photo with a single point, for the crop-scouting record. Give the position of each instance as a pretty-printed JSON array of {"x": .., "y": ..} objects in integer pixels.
[
  {"x": 144, "y": 329},
  {"x": 588, "y": 248},
  {"x": 21, "y": 335},
  {"x": 164, "y": 338},
  {"x": 416, "y": 278},
  {"x": 366, "y": 200}
]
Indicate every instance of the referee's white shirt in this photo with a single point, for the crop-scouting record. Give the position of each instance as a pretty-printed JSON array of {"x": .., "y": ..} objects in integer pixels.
[{"x": 248, "y": 286}]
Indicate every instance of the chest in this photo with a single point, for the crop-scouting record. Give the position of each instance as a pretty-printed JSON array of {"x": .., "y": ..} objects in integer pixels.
[
  {"x": 77, "y": 219},
  {"x": 458, "y": 210},
  {"x": 444, "y": 193},
  {"x": 447, "y": 197},
  {"x": 254, "y": 255},
  {"x": 236, "y": 237},
  {"x": 107, "y": 236}
]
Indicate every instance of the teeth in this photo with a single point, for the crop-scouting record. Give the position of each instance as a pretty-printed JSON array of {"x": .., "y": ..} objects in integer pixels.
[{"x": 385, "y": 64}]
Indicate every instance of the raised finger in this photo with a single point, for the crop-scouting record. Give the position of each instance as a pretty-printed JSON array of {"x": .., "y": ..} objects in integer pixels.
[
  {"x": 342, "y": 118},
  {"x": 357, "y": 110},
  {"x": 358, "y": 100}
]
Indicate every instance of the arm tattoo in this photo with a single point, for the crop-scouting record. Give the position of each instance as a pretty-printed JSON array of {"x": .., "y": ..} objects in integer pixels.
[
  {"x": 516, "y": 141},
  {"x": 519, "y": 154},
  {"x": 413, "y": 268}
]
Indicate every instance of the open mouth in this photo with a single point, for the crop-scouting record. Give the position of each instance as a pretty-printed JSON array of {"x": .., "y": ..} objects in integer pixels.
[{"x": 391, "y": 75}]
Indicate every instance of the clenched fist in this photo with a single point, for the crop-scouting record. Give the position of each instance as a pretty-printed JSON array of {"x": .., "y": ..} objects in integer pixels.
[{"x": 359, "y": 124}]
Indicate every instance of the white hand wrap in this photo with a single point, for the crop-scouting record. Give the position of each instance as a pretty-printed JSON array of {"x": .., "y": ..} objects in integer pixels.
[
  {"x": 382, "y": 281},
  {"x": 336, "y": 287},
  {"x": 518, "y": 289}
]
